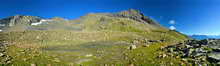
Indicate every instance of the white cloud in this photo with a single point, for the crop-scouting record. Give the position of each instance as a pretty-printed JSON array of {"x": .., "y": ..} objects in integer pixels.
[
  {"x": 172, "y": 22},
  {"x": 172, "y": 28}
]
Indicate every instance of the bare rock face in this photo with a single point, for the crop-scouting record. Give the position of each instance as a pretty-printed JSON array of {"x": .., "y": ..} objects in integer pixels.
[
  {"x": 19, "y": 20},
  {"x": 135, "y": 15}
]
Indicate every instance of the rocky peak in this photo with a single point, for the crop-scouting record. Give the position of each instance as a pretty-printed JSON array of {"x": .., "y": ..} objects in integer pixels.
[
  {"x": 19, "y": 19},
  {"x": 131, "y": 13},
  {"x": 135, "y": 15}
]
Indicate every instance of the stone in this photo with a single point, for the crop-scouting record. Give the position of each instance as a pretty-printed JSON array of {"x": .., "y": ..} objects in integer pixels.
[
  {"x": 196, "y": 51},
  {"x": 57, "y": 60},
  {"x": 164, "y": 55},
  {"x": 146, "y": 40},
  {"x": 171, "y": 50},
  {"x": 185, "y": 60},
  {"x": 89, "y": 55},
  {"x": 1, "y": 54},
  {"x": 216, "y": 50},
  {"x": 146, "y": 45},
  {"x": 188, "y": 46},
  {"x": 214, "y": 57},
  {"x": 33, "y": 64},
  {"x": 133, "y": 47},
  {"x": 135, "y": 42}
]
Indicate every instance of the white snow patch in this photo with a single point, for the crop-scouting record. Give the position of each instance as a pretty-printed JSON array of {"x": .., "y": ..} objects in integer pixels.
[
  {"x": 45, "y": 20},
  {"x": 41, "y": 21},
  {"x": 37, "y": 23},
  {"x": 172, "y": 22},
  {"x": 0, "y": 30}
]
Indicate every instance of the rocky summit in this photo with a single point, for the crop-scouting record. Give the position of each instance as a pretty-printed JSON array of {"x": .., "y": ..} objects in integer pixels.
[{"x": 96, "y": 39}]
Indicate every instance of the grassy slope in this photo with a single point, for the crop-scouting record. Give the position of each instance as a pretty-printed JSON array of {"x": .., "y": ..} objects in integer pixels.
[
  {"x": 72, "y": 47},
  {"x": 103, "y": 40}
]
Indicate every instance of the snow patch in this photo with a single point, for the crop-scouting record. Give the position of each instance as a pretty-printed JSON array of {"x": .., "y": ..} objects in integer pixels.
[
  {"x": 0, "y": 30},
  {"x": 37, "y": 23},
  {"x": 41, "y": 21},
  {"x": 45, "y": 20}
]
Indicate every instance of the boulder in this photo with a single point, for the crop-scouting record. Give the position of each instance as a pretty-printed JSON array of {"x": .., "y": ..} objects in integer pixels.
[
  {"x": 1, "y": 54},
  {"x": 214, "y": 57},
  {"x": 132, "y": 47}
]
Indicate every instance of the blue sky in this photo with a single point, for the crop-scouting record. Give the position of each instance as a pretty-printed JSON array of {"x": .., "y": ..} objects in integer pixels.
[{"x": 190, "y": 16}]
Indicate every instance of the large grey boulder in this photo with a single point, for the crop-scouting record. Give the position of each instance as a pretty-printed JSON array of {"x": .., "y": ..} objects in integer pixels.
[{"x": 214, "y": 57}]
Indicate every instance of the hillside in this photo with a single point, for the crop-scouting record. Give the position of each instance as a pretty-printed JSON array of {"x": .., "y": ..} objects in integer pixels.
[{"x": 122, "y": 38}]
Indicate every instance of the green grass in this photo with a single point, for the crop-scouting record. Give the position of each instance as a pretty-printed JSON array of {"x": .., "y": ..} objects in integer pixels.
[{"x": 70, "y": 47}]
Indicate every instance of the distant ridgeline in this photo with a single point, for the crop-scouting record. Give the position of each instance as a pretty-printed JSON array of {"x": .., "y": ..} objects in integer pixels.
[{"x": 201, "y": 37}]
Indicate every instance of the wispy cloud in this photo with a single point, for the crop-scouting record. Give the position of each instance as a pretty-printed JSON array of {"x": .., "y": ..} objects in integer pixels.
[{"x": 172, "y": 22}]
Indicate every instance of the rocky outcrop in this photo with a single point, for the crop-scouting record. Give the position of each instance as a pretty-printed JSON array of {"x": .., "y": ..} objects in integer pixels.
[
  {"x": 135, "y": 15},
  {"x": 19, "y": 20},
  {"x": 196, "y": 51}
]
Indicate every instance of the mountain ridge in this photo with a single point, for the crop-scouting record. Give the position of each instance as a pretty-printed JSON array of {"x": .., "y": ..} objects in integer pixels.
[
  {"x": 25, "y": 22},
  {"x": 200, "y": 37}
]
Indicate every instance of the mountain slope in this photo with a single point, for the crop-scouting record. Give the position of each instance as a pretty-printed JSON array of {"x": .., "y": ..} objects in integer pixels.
[
  {"x": 126, "y": 37},
  {"x": 102, "y": 21}
]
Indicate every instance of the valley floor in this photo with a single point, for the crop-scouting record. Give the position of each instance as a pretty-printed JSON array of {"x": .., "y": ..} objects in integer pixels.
[{"x": 44, "y": 48}]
